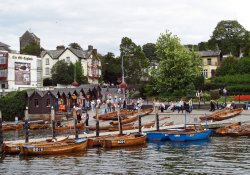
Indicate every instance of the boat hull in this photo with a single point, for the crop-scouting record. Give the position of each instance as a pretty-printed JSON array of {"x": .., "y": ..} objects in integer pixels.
[
  {"x": 157, "y": 136},
  {"x": 190, "y": 136},
  {"x": 125, "y": 141},
  {"x": 57, "y": 148}
]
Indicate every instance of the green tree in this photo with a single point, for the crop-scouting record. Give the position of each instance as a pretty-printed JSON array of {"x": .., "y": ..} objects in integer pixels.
[
  {"x": 135, "y": 61},
  {"x": 203, "y": 46},
  {"x": 178, "y": 67},
  {"x": 228, "y": 66},
  {"x": 76, "y": 73},
  {"x": 244, "y": 65},
  {"x": 111, "y": 68},
  {"x": 32, "y": 49},
  {"x": 61, "y": 73},
  {"x": 230, "y": 36},
  {"x": 75, "y": 46},
  {"x": 13, "y": 104},
  {"x": 149, "y": 51},
  {"x": 47, "y": 82}
]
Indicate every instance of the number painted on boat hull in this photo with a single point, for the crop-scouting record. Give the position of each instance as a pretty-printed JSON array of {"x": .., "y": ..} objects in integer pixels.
[
  {"x": 121, "y": 141},
  {"x": 37, "y": 149}
]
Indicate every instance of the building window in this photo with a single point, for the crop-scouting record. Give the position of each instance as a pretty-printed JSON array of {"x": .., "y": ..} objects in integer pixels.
[
  {"x": 2, "y": 60},
  {"x": 209, "y": 61},
  {"x": 48, "y": 102},
  {"x": 47, "y": 71},
  {"x": 47, "y": 61},
  {"x": 204, "y": 73},
  {"x": 3, "y": 73},
  {"x": 36, "y": 103},
  {"x": 67, "y": 59}
]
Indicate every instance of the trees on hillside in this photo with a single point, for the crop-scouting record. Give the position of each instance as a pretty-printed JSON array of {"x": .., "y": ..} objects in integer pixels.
[
  {"x": 75, "y": 46},
  {"x": 228, "y": 66},
  {"x": 230, "y": 37},
  {"x": 178, "y": 67},
  {"x": 149, "y": 51}
]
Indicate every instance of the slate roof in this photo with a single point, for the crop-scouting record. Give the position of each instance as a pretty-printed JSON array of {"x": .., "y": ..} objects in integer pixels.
[
  {"x": 209, "y": 53},
  {"x": 65, "y": 91},
  {"x": 4, "y": 46},
  {"x": 54, "y": 54}
]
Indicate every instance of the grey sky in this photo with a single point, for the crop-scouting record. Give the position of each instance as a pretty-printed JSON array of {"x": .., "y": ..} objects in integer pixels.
[{"x": 103, "y": 23}]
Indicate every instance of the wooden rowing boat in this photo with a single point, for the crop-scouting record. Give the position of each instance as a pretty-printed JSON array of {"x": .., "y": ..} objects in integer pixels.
[
  {"x": 15, "y": 148},
  {"x": 99, "y": 141},
  {"x": 10, "y": 127},
  {"x": 222, "y": 115},
  {"x": 35, "y": 126},
  {"x": 114, "y": 115},
  {"x": 58, "y": 148},
  {"x": 125, "y": 141},
  {"x": 133, "y": 118},
  {"x": 235, "y": 129},
  {"x": 131, "y": 126},
  {"x": 79, "y": 126}
]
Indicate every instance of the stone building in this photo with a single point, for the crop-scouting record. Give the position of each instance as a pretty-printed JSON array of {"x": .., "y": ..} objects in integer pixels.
[{"x": 27, "y": 38}]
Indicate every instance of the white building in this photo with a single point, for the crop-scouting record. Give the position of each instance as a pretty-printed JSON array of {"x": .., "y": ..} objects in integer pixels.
[
  {"x": 89, "y": 60},
  {"x": 18, "y": 71}
]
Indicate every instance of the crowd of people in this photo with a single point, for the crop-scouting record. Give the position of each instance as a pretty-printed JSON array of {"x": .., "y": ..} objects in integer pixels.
[{"x": 180, "y": 106}]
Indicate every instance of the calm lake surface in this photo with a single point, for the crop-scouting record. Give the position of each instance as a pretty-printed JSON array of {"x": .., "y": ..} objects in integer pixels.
[{"x": 219, "y": 155}]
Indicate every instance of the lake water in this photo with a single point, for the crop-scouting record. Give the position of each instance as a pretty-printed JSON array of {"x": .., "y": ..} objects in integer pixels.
[{"x": 219, "y": 155}]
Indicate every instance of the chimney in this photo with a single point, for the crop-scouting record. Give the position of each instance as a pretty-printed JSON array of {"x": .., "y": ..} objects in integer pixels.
[
  {"x": 61, "y": 47},
  {"x": 90, "y": 47}
]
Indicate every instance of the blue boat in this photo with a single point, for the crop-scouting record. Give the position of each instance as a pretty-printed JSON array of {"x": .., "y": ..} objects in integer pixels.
[
  {"x": 183, "y": 136},
  {"x": 161, "y": 135}
]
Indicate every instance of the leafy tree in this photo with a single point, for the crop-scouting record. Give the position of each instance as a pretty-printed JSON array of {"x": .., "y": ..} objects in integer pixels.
[
  {"x": 47, "y": 82},
  {"x": 32, "y": 49},
  {"x": 178, "y": 67},
  {"x": 230, "y": 36},
  {"x": 244, "y": 66},
  {"x": 228, "y": 66},
  {"x": 61, "y": 73},
  {"x": 203, "y": 46},
  {"x": 13, "y": 104},
  {"x": 77, "y": 71},
  {"x": 111, "y": 68},
  {"x": 135, "y": 61},
  {"x": 149, "y": 51},
  {"x": 75, "y": 46}
]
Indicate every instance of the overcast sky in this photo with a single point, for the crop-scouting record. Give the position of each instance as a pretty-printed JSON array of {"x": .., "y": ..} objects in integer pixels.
[{"x": 103, "y": 23}]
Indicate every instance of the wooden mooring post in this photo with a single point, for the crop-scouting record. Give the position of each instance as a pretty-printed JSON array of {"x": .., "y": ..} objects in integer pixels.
[
  {"x": 26, "y": 124},
  {"x": 97, "y": 122},
  {"x": 139, "y": 121},
  {"x": 76, "y": 129},
  {"x": 157, "y": 119},
  {"x": 120, "y": 122},
  {"x": 53, "y": 123}
]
